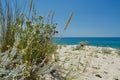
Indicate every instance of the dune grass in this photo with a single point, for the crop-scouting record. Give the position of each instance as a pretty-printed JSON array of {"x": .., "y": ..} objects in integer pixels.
[
  {"x": 27, "y": 35},
  {"x": 26, "y": 42}
]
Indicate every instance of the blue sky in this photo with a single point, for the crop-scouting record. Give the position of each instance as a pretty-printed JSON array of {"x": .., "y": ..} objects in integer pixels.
[{"x": 92, "y": 18}]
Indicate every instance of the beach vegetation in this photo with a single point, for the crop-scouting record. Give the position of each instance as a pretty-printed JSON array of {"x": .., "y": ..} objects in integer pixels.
[
  {"x": 81, "y": 45},
  {"x": 84, "y": 43},
  {"x": 106, "y": 51},
  {"x": 26, "y": 45},
  {"x": 64, "y": 45},
  {"x": 60, "y": 46},
  {"x": 118, "y": 51}
]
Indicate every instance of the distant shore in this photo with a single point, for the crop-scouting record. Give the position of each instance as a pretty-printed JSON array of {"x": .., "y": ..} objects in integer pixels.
[{"x": 113, "y": 42}]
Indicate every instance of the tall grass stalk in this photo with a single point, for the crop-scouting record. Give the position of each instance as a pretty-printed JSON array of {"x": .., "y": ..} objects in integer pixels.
[
  {"x": 8, "y": 15},
  {"x": 66, "y": 25}
]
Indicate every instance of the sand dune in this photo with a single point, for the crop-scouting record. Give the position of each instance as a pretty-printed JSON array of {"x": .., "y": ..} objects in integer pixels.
[{"x": 89, "y": 63}]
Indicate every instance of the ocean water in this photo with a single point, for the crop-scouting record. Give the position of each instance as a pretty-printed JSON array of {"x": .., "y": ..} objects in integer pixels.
[{"x": 113, "y": 42}]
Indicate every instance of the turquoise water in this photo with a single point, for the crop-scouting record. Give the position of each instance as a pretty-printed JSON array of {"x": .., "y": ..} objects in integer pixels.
[{"x": 105, "y": 42}]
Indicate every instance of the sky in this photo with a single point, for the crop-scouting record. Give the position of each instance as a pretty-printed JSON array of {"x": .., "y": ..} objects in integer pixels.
[{"x": 92, "y": 18}]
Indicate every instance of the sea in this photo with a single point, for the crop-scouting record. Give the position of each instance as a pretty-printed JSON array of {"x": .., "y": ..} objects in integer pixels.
[{"x": 113, "y": 42}]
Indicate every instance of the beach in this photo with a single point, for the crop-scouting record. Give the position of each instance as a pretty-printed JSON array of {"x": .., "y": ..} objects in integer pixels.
[{"x": 88, "y": 63}]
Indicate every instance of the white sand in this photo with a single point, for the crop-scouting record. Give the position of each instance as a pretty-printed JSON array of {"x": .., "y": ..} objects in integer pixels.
[{"x": 89, "y": 63}]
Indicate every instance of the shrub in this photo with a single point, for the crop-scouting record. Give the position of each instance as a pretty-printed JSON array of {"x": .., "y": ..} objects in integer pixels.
[
  {"x": 106, "y": 51},
  {"x": 26, "y": 45},
  {"x": 118, "y": 51},
  {"x": 81, "y": 45}
]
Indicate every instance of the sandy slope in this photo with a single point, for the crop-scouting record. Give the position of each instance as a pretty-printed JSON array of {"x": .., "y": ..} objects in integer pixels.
[{"x": 89, "y": 63}]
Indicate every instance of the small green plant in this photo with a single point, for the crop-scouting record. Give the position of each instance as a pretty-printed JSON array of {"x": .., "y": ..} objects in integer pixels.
[
  {"x": 81, "y": 45},
  {"x": 64, "y": 45},
  {"x": 106, "y": 51},
  {"x": 59, "y": 46},
  {"x": 118, "y": 51}
]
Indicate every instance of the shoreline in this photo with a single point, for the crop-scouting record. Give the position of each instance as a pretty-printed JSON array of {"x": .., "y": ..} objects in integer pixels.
[
  {"x": 113, "y": 42},
  {"x": 89, "y": 45}
]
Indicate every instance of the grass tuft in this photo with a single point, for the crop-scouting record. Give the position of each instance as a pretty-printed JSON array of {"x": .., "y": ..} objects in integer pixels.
[
  {"x": 106, "y": 51},
  {"x": 81, "y": 45},
  {"x": 118, "y": 51}
]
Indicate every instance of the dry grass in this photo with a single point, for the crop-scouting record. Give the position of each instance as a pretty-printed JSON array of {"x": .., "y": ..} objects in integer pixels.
[{"x": 69, "y": 19}]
